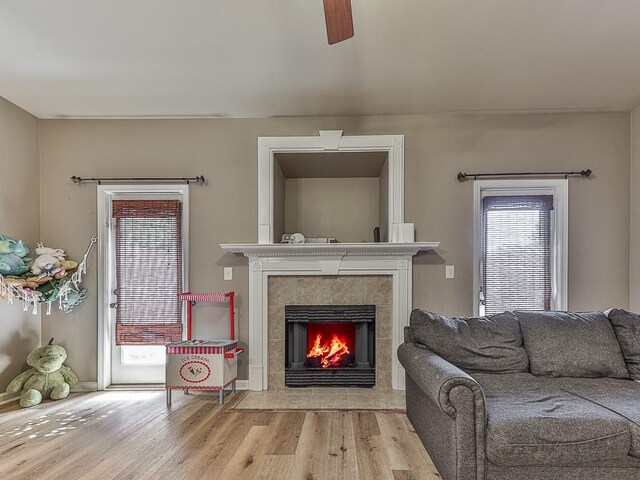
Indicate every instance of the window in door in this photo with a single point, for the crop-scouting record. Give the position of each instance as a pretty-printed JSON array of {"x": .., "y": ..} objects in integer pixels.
[
  {"x": 148, "y": 255},
  {"x": 520, "y": 245}
]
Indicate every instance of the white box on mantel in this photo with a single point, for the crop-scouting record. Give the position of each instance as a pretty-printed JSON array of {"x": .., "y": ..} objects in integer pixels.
[{"x": 404, "y": 232}]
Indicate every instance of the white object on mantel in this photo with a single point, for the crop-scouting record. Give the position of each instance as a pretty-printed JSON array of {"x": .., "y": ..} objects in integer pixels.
[
  {"x": 407, "y": 234},
  {"x": 330, "y": 139},
  {"x": 265, "y": 260},
  {"x": 404, "y": 232}
]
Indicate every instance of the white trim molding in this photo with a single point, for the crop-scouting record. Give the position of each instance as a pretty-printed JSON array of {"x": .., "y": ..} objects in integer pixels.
[
  {"x": 8, "y": 398},
  {"x": 242, "y": 384},
  {"x": 85, "y": 387},
  {"x": 79, "y": 387},
  {"x": 328, "y": 249},
  {"x": 560, "y": 229},
  {"x": 329, "y": 140}
]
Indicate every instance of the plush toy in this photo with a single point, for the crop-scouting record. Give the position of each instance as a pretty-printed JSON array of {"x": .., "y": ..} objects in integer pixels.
[
  {"x": 73, "y": 299},
  {"x": 13, "y": 256},
  {"x": 17, "y": 247},
  {"x": 49, "y": 261},
  {"x": 48, "y": 378}
]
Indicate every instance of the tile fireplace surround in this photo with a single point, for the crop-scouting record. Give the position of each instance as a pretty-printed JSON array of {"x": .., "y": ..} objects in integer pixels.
[{"x": 329, "y": 290}]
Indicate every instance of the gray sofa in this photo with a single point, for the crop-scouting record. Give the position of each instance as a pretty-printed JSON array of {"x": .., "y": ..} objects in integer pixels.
[{"x": 526, "y": 395}]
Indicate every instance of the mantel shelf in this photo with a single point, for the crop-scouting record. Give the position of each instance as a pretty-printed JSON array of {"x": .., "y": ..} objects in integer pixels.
[{"x": 328, "y": 249}]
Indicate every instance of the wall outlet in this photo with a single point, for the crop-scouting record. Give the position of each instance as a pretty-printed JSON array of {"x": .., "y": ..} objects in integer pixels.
[
  {"x": 228, "y": 273},
  {"x": 450, "y": 271}
]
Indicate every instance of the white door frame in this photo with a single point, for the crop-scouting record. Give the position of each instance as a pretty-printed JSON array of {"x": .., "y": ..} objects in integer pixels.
[{"x": 104, "y": 196}]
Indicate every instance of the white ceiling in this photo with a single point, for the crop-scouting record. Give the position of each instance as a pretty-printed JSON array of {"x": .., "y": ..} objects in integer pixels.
[{"x": 257, "y": 58}]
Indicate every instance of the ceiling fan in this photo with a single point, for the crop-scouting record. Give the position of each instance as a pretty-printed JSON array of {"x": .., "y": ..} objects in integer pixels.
[{"x": 339, "y": 19}]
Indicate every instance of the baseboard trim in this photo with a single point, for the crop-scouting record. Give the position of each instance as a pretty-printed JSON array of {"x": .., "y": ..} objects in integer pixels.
[
  {"x": 85, "y": 387},
  {"x": 242, "y": 384},
  {"x": 8, "y": 398},
  {"x": 80, "y": 387}
]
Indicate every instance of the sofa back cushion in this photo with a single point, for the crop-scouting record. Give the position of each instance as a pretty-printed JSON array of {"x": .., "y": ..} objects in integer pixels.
[
  {"x": 627, "y": 328},
  {"x": 490, "y": 344},
  {"x": 568, "y": 344}
]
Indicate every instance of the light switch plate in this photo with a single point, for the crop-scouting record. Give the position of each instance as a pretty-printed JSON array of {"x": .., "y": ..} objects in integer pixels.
[
  {"x": 228, "y": 273},
  {"x": 450, "y": 271}
]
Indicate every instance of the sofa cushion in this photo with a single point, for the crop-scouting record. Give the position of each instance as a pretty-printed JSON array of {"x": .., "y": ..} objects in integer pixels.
[
  {"x": 567, "y": 344},
  {"x": 627, "y": 328},
  {"x": 530, "y": 422},
  {"x": 484, "y": 344},
  {"x": 619, "y": 396}
]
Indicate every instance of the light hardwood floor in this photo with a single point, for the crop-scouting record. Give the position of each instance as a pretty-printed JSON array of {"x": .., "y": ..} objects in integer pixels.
[{"x": 133, "y": 435}]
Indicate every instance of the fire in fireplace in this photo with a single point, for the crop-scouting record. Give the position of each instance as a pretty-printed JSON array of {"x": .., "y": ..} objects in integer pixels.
[{"x": 330, "y": 345}]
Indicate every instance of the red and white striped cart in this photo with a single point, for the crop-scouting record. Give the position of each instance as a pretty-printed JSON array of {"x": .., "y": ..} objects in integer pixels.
[{"x": 203, "y": 364}]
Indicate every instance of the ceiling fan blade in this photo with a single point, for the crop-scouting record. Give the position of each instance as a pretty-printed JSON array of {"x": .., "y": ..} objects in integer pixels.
[{"x": 339, "y": 19}]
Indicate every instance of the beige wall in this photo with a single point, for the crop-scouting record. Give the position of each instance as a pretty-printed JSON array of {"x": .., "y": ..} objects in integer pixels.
[
  {"x": 278, "y": 203},
  {"x": 634, "y": 237},
  {"x": 323, "y": 207},
  {"x": 383, "y": 198},
  {"x": 20, "y": 219},
  {"x": 436, "y": 148}
]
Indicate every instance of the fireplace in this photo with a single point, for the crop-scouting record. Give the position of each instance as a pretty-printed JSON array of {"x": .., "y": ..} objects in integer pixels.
[{"x": 330, "y": 345}]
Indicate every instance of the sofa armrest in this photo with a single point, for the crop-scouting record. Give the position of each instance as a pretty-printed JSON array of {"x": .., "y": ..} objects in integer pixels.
[
  {"x": 447, "y": 408},
  {"x": 439, "y": 379}
]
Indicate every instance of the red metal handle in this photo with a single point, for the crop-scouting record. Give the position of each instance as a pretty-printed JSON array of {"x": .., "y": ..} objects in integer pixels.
[{"x": 234, "y": 353}]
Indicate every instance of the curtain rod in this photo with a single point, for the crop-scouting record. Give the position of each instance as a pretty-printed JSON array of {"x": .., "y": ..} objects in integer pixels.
[
  {"x": 200, "y": 180},
  {"x": 462, "y": 176}
]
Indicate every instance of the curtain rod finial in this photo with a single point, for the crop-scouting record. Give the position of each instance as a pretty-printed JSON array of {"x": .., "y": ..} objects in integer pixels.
[
  {"x": 75, "y": 179},
  {"x": 586, "y": 173},
  {"x": 462, "y": 176}
]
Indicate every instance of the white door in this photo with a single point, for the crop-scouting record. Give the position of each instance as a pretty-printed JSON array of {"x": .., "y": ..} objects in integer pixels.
[{"x": 137, "y": 364}]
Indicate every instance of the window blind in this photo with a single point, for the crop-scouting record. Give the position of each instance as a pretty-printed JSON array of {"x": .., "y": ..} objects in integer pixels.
[
  {"x": 148, "y": 271},
  {"x": 516, "y": 253}
]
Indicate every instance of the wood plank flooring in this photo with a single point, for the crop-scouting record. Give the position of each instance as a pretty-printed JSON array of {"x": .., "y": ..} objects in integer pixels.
[{"x": 134, "y": 435}]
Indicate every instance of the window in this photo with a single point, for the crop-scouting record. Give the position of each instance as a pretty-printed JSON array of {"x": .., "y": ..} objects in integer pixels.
[
  {"x": 148, "y": 255},
  {"x": 142, "y": 355},
  {"x": 520, "y": 245}
]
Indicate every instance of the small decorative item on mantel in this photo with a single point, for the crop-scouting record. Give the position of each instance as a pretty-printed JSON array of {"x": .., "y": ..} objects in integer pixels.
[
  {"x": 376, "y": 235},
  {"x": 300, "y": 238},
  {"x": 49, "y": 278}
]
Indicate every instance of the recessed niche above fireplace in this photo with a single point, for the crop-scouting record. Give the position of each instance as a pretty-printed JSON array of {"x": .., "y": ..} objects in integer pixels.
[
  {"x": 367, "y": 172},
  {"x": 330, "y": 346},
  {"x": 311, "y": 191}
]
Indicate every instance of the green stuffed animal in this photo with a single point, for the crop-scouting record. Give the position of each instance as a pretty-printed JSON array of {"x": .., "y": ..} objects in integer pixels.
[{"x": 48, "y": 378}]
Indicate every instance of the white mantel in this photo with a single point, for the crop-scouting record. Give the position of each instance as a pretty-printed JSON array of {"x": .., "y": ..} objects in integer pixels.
[
  {"x": 327, "y": 249},
  {"x": 325, "y": 259}
]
